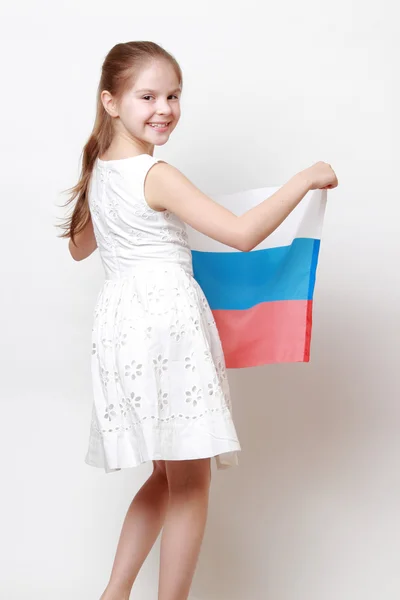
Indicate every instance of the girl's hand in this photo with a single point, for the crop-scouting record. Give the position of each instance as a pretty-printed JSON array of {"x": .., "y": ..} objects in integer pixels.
[{"x": 321, "y": 176}]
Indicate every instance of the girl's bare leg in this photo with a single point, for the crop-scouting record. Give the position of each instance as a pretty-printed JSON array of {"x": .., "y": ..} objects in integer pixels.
[
  {"x": 189, "y": 483},
  {"x": 140, "y": 530}
]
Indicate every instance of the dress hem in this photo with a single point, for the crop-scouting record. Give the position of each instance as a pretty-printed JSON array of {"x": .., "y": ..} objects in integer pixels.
[{"x": 223, "y": 460}]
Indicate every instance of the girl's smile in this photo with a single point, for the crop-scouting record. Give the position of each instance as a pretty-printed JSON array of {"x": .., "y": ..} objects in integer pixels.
[{"x": 159, "y": 127}]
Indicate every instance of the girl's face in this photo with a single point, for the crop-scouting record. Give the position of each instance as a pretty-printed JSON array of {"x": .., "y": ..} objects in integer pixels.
[{"x": 154, "y": 98}]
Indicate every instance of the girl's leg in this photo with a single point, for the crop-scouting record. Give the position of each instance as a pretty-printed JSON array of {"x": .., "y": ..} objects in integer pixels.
[
  {"x": 140, "y": 530},
  {"x": 189, "y": 483}
]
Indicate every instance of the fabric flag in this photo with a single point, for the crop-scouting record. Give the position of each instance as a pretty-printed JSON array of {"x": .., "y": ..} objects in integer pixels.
[{"x": 262, "y": 300}]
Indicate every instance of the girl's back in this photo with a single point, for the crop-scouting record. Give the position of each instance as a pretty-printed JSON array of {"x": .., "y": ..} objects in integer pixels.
[{"x": 128, "y": 232}]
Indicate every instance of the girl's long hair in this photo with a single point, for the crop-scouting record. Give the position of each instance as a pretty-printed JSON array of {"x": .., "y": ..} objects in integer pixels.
[{"x": 119, "y": 71}]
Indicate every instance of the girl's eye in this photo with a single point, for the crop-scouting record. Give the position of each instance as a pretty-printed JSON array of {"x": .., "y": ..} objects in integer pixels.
[{"x": 172, "y": 95}]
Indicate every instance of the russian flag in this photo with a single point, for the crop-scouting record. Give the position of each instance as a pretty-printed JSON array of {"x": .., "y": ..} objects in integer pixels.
[{"x": 262, "y": 300}]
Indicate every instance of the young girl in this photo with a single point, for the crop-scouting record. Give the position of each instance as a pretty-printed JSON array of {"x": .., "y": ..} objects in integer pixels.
[{"x": 160, "y": 387}]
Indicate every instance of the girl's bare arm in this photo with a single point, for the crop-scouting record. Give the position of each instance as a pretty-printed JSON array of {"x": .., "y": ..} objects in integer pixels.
[
  {"x": 85, "y": 243},
  {"x": 167, "y": 188}
]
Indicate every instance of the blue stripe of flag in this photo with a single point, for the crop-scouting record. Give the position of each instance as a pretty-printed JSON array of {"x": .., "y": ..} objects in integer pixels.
[{"x": 240, "y": 280}]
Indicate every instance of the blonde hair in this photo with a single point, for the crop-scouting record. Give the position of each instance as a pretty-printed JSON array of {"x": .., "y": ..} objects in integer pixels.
[{"x": 120, "y": 68}]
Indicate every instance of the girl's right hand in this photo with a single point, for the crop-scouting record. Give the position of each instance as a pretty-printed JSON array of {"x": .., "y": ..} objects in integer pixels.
[{"x": 321, "y": 176}]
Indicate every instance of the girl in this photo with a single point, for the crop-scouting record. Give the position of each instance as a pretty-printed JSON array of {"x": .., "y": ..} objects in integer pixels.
[{"x": 160, "y": 388}]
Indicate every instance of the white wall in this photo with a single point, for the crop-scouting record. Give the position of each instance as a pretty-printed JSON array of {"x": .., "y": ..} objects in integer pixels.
[{"x": 313, "y": 510}]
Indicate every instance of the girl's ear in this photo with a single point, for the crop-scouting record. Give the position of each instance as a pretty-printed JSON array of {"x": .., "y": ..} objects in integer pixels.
[{"x": 109, "y": 103}]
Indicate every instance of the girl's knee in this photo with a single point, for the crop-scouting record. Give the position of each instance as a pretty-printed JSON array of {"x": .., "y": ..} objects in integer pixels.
[
  {"x": 188, "y": 474},
  {"x": 159, "y": 468}
]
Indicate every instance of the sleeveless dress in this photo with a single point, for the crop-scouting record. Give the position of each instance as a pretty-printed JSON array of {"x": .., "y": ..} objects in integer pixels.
[{"x": 160, "y": 388}]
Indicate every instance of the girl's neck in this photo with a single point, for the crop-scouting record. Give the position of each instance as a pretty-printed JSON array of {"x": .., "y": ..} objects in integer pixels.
[{"x": 120, "y": 149}]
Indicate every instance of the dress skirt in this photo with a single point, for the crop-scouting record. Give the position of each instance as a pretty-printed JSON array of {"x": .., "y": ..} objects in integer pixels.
[{"x": 160, "y": 387}]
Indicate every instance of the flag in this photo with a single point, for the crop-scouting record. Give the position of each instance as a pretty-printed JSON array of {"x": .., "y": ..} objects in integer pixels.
[{"x": 262, "y": 300}]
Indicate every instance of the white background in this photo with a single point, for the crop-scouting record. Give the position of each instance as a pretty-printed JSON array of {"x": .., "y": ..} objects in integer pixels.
[{"x": 313, "y": 510}]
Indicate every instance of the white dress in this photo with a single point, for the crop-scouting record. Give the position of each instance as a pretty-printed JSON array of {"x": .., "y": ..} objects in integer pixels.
[{"x": 160, "y": 389}]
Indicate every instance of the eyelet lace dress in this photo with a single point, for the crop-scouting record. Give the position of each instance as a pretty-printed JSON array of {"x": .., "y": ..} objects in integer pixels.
[{"x": 160, "y": 388}]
